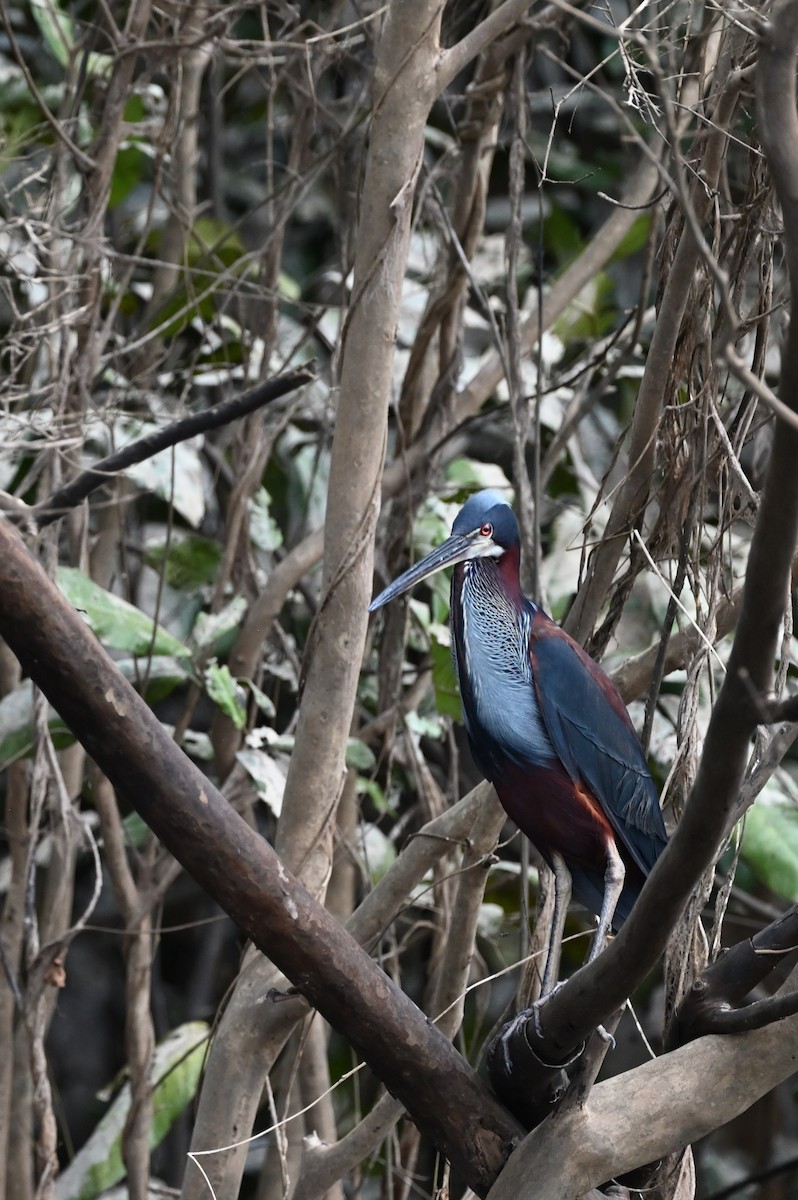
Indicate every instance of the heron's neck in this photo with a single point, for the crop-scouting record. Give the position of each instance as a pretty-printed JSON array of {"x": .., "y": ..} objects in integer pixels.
[
  {"x": 492, "y": 575},
  {"x": 491, "y": 630},
  {"x": 490, "y": 584}
]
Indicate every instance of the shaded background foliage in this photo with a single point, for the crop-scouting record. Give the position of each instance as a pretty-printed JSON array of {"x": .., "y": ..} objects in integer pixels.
[{"x": 180, "y": 191}]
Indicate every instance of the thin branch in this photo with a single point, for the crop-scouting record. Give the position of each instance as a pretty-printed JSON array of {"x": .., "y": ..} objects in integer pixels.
[
  {"x": 715, "y": 1002},
  {"x": 633, "y": 677},
  {"x": 143, "y": 448},
  {"x": 497, "y": 23},
  {"x": 82, "y": 160}
]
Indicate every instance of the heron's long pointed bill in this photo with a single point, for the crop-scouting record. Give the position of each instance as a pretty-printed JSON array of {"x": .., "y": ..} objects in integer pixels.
[{"x": 455, "y": 549}]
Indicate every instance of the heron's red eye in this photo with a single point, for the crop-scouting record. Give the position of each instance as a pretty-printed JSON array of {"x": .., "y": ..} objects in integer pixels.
[{"x": 486, "y": 531}]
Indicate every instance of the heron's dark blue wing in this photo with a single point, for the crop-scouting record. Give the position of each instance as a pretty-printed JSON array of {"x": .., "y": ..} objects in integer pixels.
[{"x": 594, "y": 738}]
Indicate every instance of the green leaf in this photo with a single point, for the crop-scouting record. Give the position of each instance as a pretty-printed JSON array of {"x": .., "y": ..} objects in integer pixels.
[
  {"x": 136, "y": 831},
  {"x": 770, "y": 847},
  {"x": 359, "y": 756},
  {"x": 263, "y": 529},
  {"x": 491, "y": 921},
  {"x": 469, "y": 475},
  {"x": 58, "y": 31},
  {"x": 431, "y": 726},
  {"x": 377, "y": 850},
  {"x": 370, "y": 788},
  {"x": 179, "y": 310},
  {"x": 589, "y": 315},
  {"x": 188, "y": 563},
  {"x": 261, "y": 699},
  {"x": 212, "y": 628},
  {"x": 16, "y": 724},
  {"x": 115, "y": 622},
  {"x": 175, "y": 474},
  {"x": 267, "y": 776},
  {"x": 562, "y": 236},
  {"x": 634, "y": 240},
  {"x": 444, "y": 680},
  {"x": 226, "y": 693},
  {"x": 176, "y": 1071},
  {"x": 55, "y": 27},
  {"x": 163, "y": 674},
  {"x": 210, "y": 236},
  {"x": 130, "y": 168},
  {"x": 289, "y": 287}
]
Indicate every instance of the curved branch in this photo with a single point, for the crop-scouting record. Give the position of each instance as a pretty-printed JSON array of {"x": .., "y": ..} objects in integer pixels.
[
  {"x": 714, "y": 1003},
  {"x": 497, "y": 23},
  {"x": 242, "y": 872},
  {"x": 176, "y": 431},
  {"x": 649, "y": 1112}
]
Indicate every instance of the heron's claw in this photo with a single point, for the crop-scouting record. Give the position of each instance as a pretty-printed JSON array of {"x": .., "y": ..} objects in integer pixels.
[
  {"x": 533, "y": 1014},
  {"x": 506, "y": 1036},
  {"x": 516, "y": 1027},
  {"x": 534, "y": 1010}
]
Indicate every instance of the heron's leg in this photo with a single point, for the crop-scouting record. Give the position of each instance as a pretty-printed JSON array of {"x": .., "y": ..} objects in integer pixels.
[
  {"x": 614, "y": 877},
  {"x": 562, "y": 898}
]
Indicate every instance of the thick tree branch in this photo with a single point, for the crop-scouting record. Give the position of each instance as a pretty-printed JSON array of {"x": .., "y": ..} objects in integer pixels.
[
  {"x": 649, "y": 1112},
  {"x": 494, "y": 26},
  {"x": 405, "y": 86},
  {"x": 714, "y": 1003},
  {"x": 243, "y": 874}
]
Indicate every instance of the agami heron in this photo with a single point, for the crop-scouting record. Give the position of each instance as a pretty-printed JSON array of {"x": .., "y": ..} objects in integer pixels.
[{"x": 545, "y": 724}]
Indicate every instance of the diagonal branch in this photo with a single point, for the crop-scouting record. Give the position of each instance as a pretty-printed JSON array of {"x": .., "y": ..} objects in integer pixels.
[
  {"x": 714, "y": 1003},
  {"x": 650, "y": 1112},
  {"x": 241, "y": 871},
  {"x": 495, "y": 25},
  {"x": 78, "y": 489}
]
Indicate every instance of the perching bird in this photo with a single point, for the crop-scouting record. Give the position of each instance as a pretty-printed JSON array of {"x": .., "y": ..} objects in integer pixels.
[{"x": 545, "y": 723}]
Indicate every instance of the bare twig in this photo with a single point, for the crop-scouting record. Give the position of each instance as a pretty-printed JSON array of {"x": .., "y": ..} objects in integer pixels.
[{"x": 143, "y": 448}]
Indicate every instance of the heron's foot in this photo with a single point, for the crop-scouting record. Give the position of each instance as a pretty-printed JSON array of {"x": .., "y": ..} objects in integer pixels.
[
  {"x": 533, "y": 1012},
  {"x": 507, "y": 1041},
  {"x": 506, "y": 1038}
]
